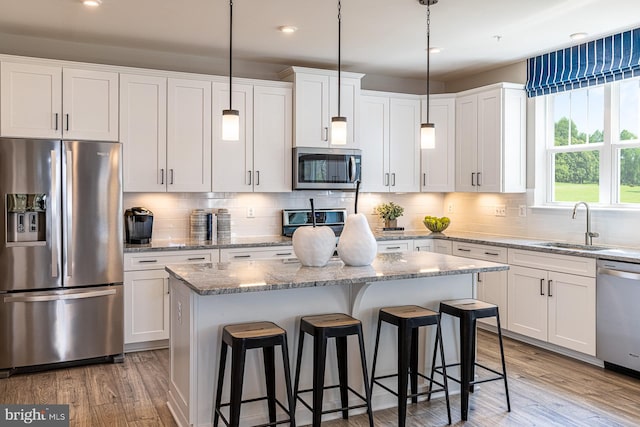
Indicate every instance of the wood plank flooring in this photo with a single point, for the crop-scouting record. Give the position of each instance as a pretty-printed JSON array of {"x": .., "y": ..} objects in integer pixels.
[{"x": 546, "y": 390}]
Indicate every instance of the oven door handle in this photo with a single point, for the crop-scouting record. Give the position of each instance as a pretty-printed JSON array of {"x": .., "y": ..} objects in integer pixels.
[
  {"x": 58, "y": 297},
  {"x": 619, "y": 273}
]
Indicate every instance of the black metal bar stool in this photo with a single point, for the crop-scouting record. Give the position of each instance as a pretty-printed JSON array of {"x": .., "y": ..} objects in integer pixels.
[
  {"x": 408, "y": 319},
  {"x": 468, "y": 311},
  {"x": 242, "y": 337},
  {"x": 321, "y": 328}
]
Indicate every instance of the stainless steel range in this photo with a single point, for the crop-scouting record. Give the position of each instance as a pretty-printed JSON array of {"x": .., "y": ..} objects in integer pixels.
[
  {"x": 294, "y": 218},
  {"x": 61, "y": 262}
]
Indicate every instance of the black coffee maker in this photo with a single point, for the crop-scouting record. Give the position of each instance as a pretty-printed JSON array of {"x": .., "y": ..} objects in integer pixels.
[{"x": 138, "y": 225}]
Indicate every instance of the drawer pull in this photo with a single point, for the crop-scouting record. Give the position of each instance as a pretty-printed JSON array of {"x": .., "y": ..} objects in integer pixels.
[
  {"x": 284, "y": 254},
  {"x": 541, "y": 285},
  {"x": 464, "y": 250},
  {"x": 242, "y": 256},
  {"x": 492, "y": 253},
  {"x": 196, "y": 259},
  {"x": 549, "y": 288},
  {"x": 147, "y": 261},
  {"x": 393, "y": 247}
]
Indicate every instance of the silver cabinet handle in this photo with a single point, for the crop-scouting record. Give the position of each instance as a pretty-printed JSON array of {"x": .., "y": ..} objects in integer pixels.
[
  {"x": 171, "y": 172},
  {"x": 549, "y": 288},
  {"x": 162, "y": 176},
  {"x": 147, "y": 261},
  {"x": 325, "y": 132},
  {"x": 464, "y": 250},
  {"x": 54, "y": 208},
  {"x": 392, "y": 247},
  {"x": 284, "y": 254},
  {"x": 249, "y": 182},
  {"x": 473, "y": 176},
  {"x": 58, "y": 297},
  {"x": 201, "y": 258},
  {"x": 166, "y": 284},
  {"x": 56, "y": 121},
  {"x": 257, "y": 177},
  {"x": 478, "y": 279},
  {"x": 386, "y": 179},
  {"x": 541, "y": 285},
  {"x": 491, "y": 253},
  {"x": 67, "y": 117},
  {"x": 68, "y": 226},
  {"x": 242, "y": 256},
  {"x": 393, "y": 179},
  {"x": 479, "y": 180},
  {"x": 424, "y": 179}
]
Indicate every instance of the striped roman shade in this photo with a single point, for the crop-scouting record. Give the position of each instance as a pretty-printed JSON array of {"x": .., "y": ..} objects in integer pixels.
[{"x": 596, "y": 62}]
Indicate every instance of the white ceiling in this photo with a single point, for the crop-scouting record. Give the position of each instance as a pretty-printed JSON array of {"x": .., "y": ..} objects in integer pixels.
[{"x": 384, "y": 37}]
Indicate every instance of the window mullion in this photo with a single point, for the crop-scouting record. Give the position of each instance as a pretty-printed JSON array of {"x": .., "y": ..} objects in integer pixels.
[{"x": 608, "y": 182}]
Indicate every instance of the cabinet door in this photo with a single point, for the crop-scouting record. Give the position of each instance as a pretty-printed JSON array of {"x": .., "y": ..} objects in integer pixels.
[
  {"x": 189, "y": 135},
  {"x": 527, "y": 302},
  {"x": 438, "y": 164},
  {"x": 374, "y": 131},
  {"x": 572, "y": 312},
  {"x": 349, "y": 107},
  {"x": 233, "y": 160},
  {"x": 466, "y": 143},
  {"x": 146, "y": 306},
  {"x": 272, "y": 139},
  {"x": 143, "y": 132},
  {"x": 90, "y": 105},
  {"x": 404, "y": 145},
  {"x": 442, "y": 247},
  {"x": 31, "y": 102},
  {"x": 489, "y": 178},
  {"x": 311, "y": 110},
  {"x": 492, "y": 288},
  {"x": 423, "y": 245}
]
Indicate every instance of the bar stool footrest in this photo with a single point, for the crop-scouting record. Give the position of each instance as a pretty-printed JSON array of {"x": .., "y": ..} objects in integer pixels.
[
  {"x": 257, "y": 399},
  {"x": 499, "y": 375},
  {"x": 330, "y": 411},
  {"x": 409, "y": 395}
]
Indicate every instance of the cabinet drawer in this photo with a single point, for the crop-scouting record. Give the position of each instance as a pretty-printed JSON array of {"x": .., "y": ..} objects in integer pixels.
[
  {"x": 157, "y": 260},
  {"x": 243, "y": 254},
  {"x": 483, "y": 252},
  {"x": 395, "y": 246},
  {"x": 553, "y": 262}
]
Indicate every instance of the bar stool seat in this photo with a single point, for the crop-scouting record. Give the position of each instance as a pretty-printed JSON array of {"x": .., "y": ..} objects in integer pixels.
[
  {"x": 242, "y": 337},
  {"x": 408, "y": 319},
  {"x": 321, "y": 328},
  {"x": 468, "y": 311}
]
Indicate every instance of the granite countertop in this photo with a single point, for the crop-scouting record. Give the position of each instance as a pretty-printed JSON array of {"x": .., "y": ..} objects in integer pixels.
[
  {"x": 268, "y": 275},
  {"x": 611, "y": 253}
]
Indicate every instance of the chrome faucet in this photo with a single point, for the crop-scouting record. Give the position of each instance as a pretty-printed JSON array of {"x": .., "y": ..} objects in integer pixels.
[{"x": 589, "y": 235}]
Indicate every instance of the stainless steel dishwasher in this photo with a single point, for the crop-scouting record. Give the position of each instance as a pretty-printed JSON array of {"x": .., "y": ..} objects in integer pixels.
[{"x": 618, "y": 317}]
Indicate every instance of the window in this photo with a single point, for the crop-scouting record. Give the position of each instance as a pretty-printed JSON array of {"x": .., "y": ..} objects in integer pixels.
[{"x": 592, "y": 145}]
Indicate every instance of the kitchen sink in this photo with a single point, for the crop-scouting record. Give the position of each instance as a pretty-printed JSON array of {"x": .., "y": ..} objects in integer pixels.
[{"x": 577, "y": 246}]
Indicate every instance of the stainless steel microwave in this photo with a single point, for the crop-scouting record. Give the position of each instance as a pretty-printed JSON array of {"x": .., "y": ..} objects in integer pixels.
[{"x": 326, "y": 168}]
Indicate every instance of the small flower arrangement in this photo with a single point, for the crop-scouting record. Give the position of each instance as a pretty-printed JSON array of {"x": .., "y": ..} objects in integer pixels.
[{"x": 389, "y": 211}]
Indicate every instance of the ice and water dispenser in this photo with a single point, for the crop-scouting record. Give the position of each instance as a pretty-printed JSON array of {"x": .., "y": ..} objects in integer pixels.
[{"x": 26, "y": 218}]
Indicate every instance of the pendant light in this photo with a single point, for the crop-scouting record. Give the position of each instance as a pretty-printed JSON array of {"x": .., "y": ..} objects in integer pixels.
[
  {"x": 339, "y": 123},
  {"x": 230, "y": 117},
  {"x": 428, "y": 129}
]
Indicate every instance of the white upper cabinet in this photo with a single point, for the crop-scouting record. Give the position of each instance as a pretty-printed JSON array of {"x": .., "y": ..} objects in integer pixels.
[
  {"x": 188, "y": 135},
  {"x": 315, "y": 101},
  {"x": 390, "y": 133},
  {"x": 261, "y": 160},
  {"x": 40, "y": 101},
  {"x": 143, "y": 132},
  {"x": 490, "y": 139},
  {"x": 438, "y": 164}
]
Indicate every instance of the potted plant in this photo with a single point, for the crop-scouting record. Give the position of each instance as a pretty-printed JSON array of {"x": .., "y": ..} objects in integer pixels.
[{"x": 390, "y": 212}]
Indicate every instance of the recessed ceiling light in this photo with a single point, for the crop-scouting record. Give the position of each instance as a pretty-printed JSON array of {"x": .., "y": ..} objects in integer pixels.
[
  {"x": 287, "y": 29},
  {"x": 435, "y": 49},
  {"x": 92, "y": 3},
  {"x": 578, "y": 36}
]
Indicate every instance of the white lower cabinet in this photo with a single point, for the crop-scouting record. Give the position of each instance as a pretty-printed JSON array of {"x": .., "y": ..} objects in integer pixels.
[
  {"x": 492, "y": 285},
  {"x": 146, "y": 295},
  {"x": 395, "y": 246},
  {"x": 555, "y": 302},
  {"x": 432, "y": 245},
  {"x": 256, "y": 253}
]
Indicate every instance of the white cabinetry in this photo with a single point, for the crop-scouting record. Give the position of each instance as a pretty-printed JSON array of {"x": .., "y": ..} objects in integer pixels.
[
  {"x": 490, "y": 139},
  {"x": 553, "y": 298},
  {"x": 433, "y": 245},
  {"x": 146, "y": 295},
  {"x": 390, "y": 131},
  {"x": 492, "y": 285},
  {"x": 254, "y": 253},
  {"x": 261, "y": 160},
  {"x": 395, "y": 246},
  {"x": 41, "y": 101},
  {"x": 438, "y": 164},
  {"x": 315, "y": 101},
  {"x": 166, "y": 134}
]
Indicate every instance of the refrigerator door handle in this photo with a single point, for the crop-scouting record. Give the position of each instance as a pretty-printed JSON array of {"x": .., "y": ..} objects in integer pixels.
[
  {"x": 52, "y": 209},
  {"x": 58, "y": 297},
  {"x": 68, "y": 217}
]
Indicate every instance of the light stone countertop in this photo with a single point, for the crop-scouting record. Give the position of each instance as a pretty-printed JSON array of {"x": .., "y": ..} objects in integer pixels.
[{"x": 269, "y": 275}]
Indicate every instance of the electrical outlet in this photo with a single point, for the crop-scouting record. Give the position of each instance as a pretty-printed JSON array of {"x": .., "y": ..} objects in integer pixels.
[
  {"x": 500, "y": 210},
  {"x": 450, "y": 208},
  {"x": 522, "y": 210},
  {"x": 251, "y": 212}
]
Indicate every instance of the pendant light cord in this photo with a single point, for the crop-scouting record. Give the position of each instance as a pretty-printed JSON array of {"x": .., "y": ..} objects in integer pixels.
[
  {"x": 339, "y": 44},
  {"x": 230, "y": 47},
  {"x": 428, "y": 54}
]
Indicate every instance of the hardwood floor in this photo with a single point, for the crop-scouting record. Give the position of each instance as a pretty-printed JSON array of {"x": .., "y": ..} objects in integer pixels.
[{"x": 546, "y": 389}]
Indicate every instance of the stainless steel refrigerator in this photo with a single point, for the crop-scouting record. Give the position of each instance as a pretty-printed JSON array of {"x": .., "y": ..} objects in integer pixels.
[{"x": 61, "y": 265}]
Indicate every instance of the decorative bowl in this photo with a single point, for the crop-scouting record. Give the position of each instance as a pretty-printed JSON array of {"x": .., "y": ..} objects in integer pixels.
[{"x": 435, "y": 224}]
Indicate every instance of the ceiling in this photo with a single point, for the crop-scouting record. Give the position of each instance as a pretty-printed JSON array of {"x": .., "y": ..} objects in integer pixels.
[{"x": 383, "y": 37}]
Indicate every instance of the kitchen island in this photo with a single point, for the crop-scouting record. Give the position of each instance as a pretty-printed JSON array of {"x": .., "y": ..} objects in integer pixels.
[{"x": 205, "y": 297}]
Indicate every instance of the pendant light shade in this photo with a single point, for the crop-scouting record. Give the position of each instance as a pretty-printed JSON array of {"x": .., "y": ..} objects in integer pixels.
[
  {"x": 339, "y": 123},
  {"x": 428, "y": 129},
  {"x": 230, "y": 117}
]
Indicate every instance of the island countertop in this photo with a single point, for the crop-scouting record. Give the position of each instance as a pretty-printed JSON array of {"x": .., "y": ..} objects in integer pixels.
[{"x": 269, "y": 275}]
